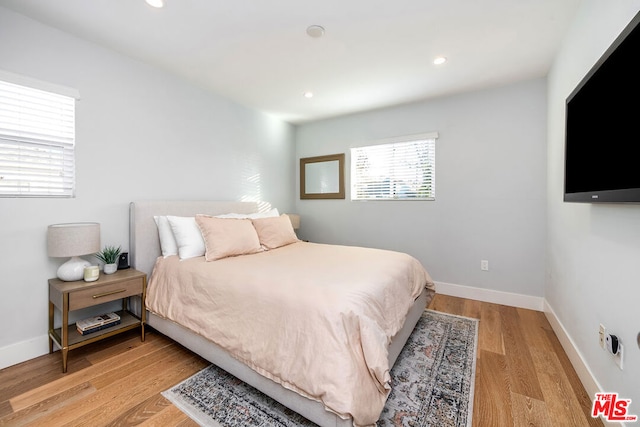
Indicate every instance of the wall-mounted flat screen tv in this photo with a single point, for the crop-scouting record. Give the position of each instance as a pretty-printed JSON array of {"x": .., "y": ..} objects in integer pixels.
[{"x": 602, "y": 139}]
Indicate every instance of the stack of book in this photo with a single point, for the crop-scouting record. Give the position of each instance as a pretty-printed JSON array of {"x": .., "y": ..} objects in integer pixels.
[{"x": 97, "y": 323}]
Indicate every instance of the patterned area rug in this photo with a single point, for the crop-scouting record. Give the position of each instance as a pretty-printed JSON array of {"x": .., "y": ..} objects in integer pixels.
[{"x": 432, "y": 384}]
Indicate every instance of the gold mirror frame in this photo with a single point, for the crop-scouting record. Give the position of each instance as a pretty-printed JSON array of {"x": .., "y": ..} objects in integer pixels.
[{"x": 318, "y": 161}]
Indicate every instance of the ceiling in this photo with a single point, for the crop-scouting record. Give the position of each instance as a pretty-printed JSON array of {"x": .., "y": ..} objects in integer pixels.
[{"x": 374, "y": 53}]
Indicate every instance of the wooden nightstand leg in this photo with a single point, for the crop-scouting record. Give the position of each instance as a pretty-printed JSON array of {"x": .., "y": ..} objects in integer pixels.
[
  {"x": 64, "y": 331},
  {"x": 143, "y": 306},
  {"x": 65, "y": 353},
  {"x": 50, "y": 327}
]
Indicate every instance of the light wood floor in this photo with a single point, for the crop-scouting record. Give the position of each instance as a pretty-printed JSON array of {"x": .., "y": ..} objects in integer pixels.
[{"x": 523, "y": 378}]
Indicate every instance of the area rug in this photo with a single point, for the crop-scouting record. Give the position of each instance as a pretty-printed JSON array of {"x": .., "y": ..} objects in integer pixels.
[{"x": 432, "y": 384}]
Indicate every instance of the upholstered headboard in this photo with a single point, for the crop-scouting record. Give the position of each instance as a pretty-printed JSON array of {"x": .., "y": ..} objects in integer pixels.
[{"x": 144, "y": 243}]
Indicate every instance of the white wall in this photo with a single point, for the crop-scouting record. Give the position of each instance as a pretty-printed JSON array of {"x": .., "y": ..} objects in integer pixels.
[
  {"x": 141, "y": 134},
  {"x": 490, "y": 187},
  {"x": 593, "y": 250}
]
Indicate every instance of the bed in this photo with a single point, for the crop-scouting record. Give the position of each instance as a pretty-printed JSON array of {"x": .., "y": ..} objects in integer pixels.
[{"x": 244, "y": 361}]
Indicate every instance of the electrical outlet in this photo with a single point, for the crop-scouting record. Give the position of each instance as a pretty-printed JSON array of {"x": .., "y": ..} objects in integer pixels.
[
  {"x": 601, "y": 333},
  {"x": 484, "y": 265}
]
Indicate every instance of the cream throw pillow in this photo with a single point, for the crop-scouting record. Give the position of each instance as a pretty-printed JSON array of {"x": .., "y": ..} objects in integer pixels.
[
  {"x": 225, "y": 237},
  {"x": 275, "y": 232},
  {"x": 168, "y": 244}
]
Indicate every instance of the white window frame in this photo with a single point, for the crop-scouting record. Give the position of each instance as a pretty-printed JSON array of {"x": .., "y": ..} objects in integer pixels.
[
  {"x": 392, "y": 174},
  {"x": 37, "y": 138}
]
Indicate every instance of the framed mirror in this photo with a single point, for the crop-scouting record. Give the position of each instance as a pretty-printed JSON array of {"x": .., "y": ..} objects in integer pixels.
[{"x": 322, "y": 177}]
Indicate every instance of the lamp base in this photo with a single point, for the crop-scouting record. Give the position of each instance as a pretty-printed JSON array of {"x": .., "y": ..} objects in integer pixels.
[{"x": 73, "y": 269}]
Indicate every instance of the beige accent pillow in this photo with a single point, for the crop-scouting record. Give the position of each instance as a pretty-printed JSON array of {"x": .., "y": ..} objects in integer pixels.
[
  {"x": 275, "y": 232},
  {"x": 225, "y": 237}
]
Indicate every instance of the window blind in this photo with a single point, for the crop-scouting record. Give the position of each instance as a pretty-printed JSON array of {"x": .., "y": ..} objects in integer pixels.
[
  {"x": 37, "y": 142},
  {"x": 403, "y": 170}
]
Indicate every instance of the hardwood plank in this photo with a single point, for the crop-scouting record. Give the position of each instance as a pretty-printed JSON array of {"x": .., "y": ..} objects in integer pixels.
[
  {"x": 187, "y": 423},
  {"x": 109, "y": 367},
  {"x": 492, "y": 395},
  {"x": 107, "y": 403},
  {"x": 472, "y": 309},
  {"x": 113, "y": 345},
  {"x": 529, "y": 412},
  {"x": 524, "y": 379},
  {"x": 138, "y": 365},
  {"x": 53, "y": 402},
  {"x": 116, "y": 347},
  {"x": 45, "y": 369},
  {"x": 490, "y": 329},
  {"x": 535, "y": 327},
  {"x": 170, "y": 416},
  {"x": 142, "y": 412},
  {"x": 557, "y": 390},
  {"x": 447, "y": 304},
  {"x": 128, "y": 397},
  {"x": 5, "y": 409},
  {"x": 26, "y": 376}
]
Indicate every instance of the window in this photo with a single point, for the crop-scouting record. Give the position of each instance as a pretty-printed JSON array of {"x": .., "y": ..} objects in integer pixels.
[
  {"x": 37, "y": 140},
  {"x": 403, "y": 169}
]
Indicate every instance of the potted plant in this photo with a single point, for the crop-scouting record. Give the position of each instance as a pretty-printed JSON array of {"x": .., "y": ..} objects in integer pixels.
[{"x": 109, "y": 255}]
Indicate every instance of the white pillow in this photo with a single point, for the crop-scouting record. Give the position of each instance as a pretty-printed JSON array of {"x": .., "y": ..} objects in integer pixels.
[
  {"x": 168, "y": 244},
  {"x": 269, "y": 214},
  {"x": 188, "y": 236}
]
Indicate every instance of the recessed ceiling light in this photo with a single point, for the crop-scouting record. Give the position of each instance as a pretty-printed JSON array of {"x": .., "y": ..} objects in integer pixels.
[
  {"x": 155, "y": 3},
  {"x": 315, "y": 31},
  {"x": 439, "y": 60},
  {"x": 308, "y": 95}
]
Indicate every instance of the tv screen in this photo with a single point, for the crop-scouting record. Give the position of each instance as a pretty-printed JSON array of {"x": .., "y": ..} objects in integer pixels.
[{"x": 602, "y": 134}]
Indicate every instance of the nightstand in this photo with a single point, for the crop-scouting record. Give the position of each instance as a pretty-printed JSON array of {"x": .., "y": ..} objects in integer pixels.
[{"x": 69, "y": 296}]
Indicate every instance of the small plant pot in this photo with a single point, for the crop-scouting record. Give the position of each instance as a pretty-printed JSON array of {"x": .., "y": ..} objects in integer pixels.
[{"x": 110, "y": 268}]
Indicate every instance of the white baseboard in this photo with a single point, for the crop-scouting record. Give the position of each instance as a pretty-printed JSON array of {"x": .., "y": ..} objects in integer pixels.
[
  {"x": 490, "y": 295},
  {"x": 24, "y": 350},
  {"x": 584, "y": 373}
]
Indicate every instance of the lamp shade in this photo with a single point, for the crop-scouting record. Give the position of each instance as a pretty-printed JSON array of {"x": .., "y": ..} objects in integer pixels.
[
  {"x": 74, "y": 239},
  {"x": 295, "y": 220}
]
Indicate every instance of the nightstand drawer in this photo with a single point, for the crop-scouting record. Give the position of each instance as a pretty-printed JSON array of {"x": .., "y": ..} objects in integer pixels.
[{"x": 105, "y": 293}]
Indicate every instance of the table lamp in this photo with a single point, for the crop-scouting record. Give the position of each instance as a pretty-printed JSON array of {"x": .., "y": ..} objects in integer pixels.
[
  {"x": 73, "y": 240},
  {"x": 295, "y": 220}
]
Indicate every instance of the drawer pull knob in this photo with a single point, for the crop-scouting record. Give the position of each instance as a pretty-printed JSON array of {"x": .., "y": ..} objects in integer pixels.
[{"x": 117, "y": 291}]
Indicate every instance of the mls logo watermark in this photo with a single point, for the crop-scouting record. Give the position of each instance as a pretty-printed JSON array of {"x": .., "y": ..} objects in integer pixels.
[{"x": 611, "y": 408}]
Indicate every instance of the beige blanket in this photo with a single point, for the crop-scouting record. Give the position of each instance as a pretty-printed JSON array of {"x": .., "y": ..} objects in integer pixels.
[{"x": 315, "y": 318}]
